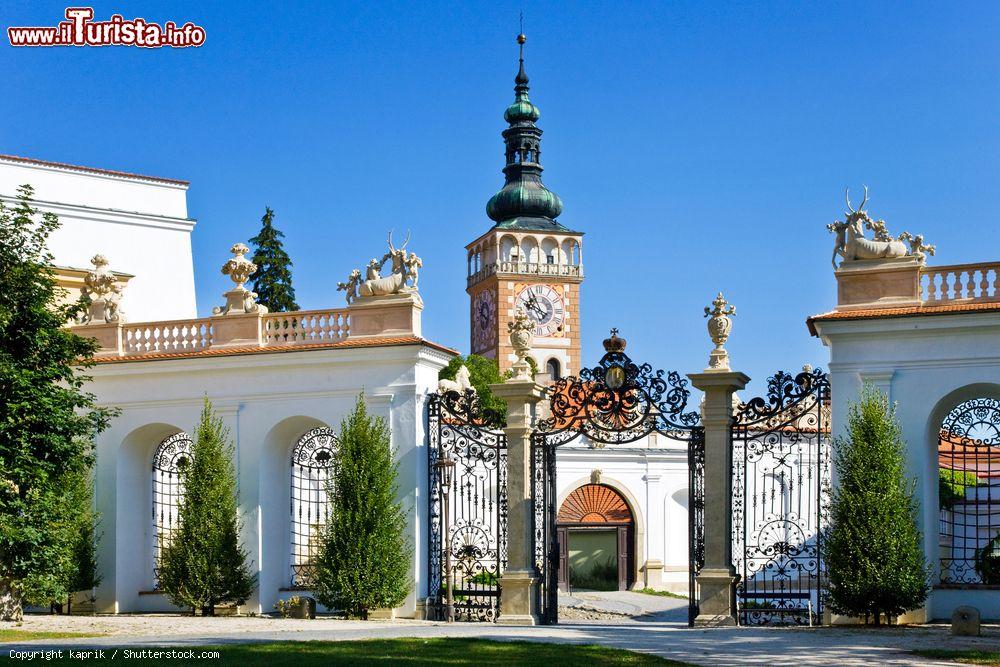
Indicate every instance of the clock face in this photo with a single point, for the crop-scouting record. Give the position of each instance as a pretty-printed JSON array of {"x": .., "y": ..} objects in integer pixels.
[
  {"x": 484, "y": 329},
  {"x": 545, "y": 306}
]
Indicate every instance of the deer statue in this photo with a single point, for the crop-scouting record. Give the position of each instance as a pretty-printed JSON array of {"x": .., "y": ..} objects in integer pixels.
[{"x": 851, "y": 242}]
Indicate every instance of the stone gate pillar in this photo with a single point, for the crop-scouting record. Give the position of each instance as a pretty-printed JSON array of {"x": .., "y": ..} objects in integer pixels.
[
  {"x": 717, "y": 578},
  {"x": 519, "y": 581}
]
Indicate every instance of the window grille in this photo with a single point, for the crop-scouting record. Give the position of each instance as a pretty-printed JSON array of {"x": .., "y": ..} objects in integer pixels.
[
  {"x": 170, "y": 459},
  {"x": 312, "y": 465}
]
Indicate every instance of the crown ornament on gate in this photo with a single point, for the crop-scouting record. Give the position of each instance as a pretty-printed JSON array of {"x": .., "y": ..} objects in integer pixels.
[
  {"x": 719, "y": 327},
  {"x": 614, "y": 343}
]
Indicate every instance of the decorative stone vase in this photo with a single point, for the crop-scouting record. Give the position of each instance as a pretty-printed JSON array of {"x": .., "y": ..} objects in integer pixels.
[
  {"x": 306, "y": 608},
  {"x": 719, "y": 327}
]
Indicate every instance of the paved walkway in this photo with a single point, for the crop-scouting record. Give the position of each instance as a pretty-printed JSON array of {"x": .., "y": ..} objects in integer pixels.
[
  {"x": 627, "y": 603},
  {"x": 801, "y": 647}
]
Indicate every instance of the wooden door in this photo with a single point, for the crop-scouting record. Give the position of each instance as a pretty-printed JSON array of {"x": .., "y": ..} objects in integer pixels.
[
  {"x": 623, "y": 559},
  {"x": 562, "y": 537}
]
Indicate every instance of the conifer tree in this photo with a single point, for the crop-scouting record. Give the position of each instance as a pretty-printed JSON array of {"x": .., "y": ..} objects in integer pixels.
[
  {"x": 873, "y": 549},
  {"x": 84, "y": 574},
  {"x": 273, "y": 279},
  {"x": 47, "y": 420},
  {"x": 364, "y": 557},
  {"x": 203, "y": 564}
]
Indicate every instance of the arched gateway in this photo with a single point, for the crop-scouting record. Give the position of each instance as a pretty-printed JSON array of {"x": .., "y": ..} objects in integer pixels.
[
  {"x": 779, "y": 473},
  {"x": 596, "y": 533}
]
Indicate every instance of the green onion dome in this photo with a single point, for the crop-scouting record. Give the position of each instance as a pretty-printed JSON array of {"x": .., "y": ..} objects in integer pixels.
[{"x": 524, "y": 198}]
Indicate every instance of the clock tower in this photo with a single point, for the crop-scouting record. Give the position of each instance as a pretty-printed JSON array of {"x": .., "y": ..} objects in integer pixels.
[{"x": 527, "y": 260}]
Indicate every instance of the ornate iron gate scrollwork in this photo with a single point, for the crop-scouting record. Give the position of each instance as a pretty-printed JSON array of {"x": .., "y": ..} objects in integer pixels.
[
  {"x": 476, "y": 534},
  {"x": 781, "y": 474},
  {"x": 614, "y": 403}
]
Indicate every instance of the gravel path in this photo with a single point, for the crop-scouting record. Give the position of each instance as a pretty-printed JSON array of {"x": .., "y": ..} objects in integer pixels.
[{"x": 730, "y": 646}]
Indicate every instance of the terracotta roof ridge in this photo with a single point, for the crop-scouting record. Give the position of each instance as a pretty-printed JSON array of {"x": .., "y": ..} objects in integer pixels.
[{"x": 92, "y": 170}]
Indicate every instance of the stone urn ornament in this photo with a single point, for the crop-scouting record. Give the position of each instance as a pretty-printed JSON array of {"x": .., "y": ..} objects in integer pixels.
[
  {"x": 101, "y": 293},
  {"x": 239, "y": 300},
  {"x": 521, "y": 328},
  {"x": 719, "y": 326}
]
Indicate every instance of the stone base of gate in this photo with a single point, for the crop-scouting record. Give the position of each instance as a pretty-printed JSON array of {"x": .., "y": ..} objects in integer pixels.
[
  {"x": 717, "y": 606},
  {"x": 517, "y": 598}
]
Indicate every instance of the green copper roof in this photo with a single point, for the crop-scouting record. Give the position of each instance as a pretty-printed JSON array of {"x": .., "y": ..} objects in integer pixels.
[{"x": 524, "y": 202}]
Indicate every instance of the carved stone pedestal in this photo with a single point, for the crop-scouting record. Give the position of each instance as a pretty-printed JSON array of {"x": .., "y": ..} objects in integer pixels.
[
  {"x": 879, "y": 283},
  {"x": 389, "y": 315},
  {"x": 236, "y": 330},
  {"x": 517, "y": 604},
  {"x": 717, "y": 606},
  {"x": 108, "y": 337}
]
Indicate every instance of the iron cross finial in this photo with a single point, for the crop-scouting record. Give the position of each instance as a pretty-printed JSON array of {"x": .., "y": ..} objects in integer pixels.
[{"x": 614, "y": 331}]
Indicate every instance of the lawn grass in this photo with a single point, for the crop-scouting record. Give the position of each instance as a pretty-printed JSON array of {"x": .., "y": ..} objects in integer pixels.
[
  {"x": 408, "y": 652},
  {"x": 969, "y": 656},
  {"x": 14, "y": 635},
  {"x": 662, "y": 594}
]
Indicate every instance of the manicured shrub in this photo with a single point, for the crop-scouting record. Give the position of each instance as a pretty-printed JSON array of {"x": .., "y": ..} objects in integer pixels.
[
  {"x": 873, "y": 549},
  {"x": 203, "y": 564},
  {"x": 364, "y": 555}
]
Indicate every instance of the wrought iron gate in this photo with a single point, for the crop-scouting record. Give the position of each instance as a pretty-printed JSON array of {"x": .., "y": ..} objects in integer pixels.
[
  {"x": 614, "y": 403},
  {"x": 781, "y": 474},
  {"x": 468, "y": 513}
]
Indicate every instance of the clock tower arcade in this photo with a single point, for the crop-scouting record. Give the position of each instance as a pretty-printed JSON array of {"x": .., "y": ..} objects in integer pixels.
[{"x": 527, "y": 260}]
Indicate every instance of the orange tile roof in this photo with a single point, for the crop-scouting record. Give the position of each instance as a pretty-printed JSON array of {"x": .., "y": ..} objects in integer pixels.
[
  {"x": 92, "y": 170},
  {"x": 271, "y": 349},
  {"x": 906, "y": 311}
]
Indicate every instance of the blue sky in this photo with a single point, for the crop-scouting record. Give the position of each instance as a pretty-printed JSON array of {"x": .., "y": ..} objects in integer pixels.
[{"x": 700, "y": 146}]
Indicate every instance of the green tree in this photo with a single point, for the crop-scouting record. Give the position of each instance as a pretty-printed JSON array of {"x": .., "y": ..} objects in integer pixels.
[
  {"x": 273, "y": 279},
  {"x": 482, "y": 373},
  {"x": 85, "y": 574},
  {"x": 47, "y": 420},
  {"x": 364, "y": 557},
  {"x": 203, "y": 564},
  {"x": 873, "y": 547}
]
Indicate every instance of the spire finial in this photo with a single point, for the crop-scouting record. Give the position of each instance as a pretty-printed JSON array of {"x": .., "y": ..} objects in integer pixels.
[{"x": 521, "y": 78}]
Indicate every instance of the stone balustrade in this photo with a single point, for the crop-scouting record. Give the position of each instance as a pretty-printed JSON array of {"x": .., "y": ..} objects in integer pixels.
[
  {"x": 968, "y": 283},
  {"x": 306, "y": 326},
  {"x": 169, "y": 336},
  {"x": 391, "y": 316},
  {"x": 529, "y": 268}
]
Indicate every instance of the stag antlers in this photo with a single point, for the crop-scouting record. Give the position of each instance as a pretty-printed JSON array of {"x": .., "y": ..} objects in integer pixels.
[
  {"x": 393, "y": 249},
  {"x": 850, "y": 209}
]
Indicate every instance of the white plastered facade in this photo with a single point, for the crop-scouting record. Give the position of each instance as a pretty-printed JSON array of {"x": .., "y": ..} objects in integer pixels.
[
  {"x": 927, "y": 365},
  {"x": 139, "y": 223}
]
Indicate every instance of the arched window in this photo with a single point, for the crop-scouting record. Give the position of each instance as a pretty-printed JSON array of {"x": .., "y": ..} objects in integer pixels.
[
  {"x": 170, "y": 459},
  {"x": 555, "y": 371},
  {"x": 969, "y": 488},
  {"x": 312, "y": 463}
]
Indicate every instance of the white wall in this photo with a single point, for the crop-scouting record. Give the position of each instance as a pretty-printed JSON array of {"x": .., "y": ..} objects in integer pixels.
[
  {"x": 267, "y": 401},
  {"x": 141, "y": 225},
  {"x": 651, "y": 476},
  {"x": 927, "y": 365}
]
